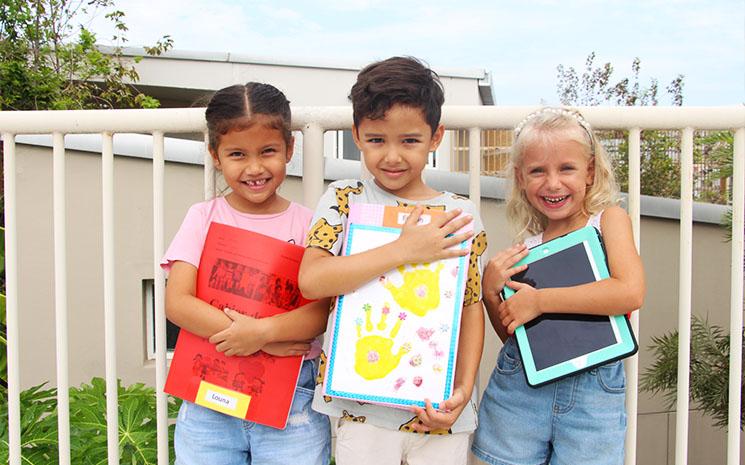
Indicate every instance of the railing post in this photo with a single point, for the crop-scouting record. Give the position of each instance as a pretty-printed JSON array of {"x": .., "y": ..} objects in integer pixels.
[
  {"x": 474, "y": 167},
  {"x": 313, "y": 164},
  {"x": 161, "y": 400},
  {"x": 735, "y": 322},
  {"x": 684, "y": 296},
  {"x": 11, "y": 299},
  {"x": 632, "y": 363},
  {"x": 109, "y": 297},
  {"x": 60, "y": 297}
]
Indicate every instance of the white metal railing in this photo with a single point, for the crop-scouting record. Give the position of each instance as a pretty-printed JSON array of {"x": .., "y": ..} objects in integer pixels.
[{"x": 313, "y": 121}]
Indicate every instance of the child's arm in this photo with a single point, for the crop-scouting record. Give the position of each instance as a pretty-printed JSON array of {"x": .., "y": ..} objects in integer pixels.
[
  {"x": 497, "y": 272},
  {"x": 185, "y": 310},
  {"x": 622, "y": 293},
  {"x": 302, "y": 324},
  {"x": 470, "y": 346},
  {"x": 324, "y": 275}
]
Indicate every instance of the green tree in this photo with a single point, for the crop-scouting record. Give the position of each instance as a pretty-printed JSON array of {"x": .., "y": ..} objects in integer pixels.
[
  {"x": 596, "y": 85},
  {"x": 49, "y": 60}
]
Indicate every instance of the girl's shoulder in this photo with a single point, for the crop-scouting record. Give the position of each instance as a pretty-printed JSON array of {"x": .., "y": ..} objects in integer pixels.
[
  {"x": 300, "y": 210},
  {"x": 613, "y": 216}
]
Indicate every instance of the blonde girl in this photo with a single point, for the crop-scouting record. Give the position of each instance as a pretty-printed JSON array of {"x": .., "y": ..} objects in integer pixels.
[{"x": 562, "y": 180}]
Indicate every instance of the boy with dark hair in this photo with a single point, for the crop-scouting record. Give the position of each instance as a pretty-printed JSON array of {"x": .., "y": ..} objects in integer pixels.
[{"x": 397, "y": 104}]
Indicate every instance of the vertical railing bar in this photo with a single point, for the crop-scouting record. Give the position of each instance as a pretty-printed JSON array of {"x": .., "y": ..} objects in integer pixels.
[
  {"x": 736, "y": 296},
  {"x": 11, "y": 299},
  {"x": 209, "y": 171},
  {"x": 632, "y": 363},
  {"x": 313, "y": 164},
  {"x": 474, "y": 167},
  {"x": 684, "y": 296},
  {"x": 109, "y": 305},
  {"x": 161, "y": 401},
  {"x": 60, "y": 297}
]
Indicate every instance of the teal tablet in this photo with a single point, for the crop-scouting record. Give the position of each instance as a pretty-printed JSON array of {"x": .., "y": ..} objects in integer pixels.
[{"x": 557, "y": 345}]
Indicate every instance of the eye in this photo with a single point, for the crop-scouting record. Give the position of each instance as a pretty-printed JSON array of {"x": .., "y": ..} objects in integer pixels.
[
  {"x": 535, "y": 171},
  {"x": 411, "y": 140},
  {"x": 568, "y": 168},
  {"x": 269, "y": 151},
  {"x": 235, "y": 154},
  {"x": 374, "y": 140}
]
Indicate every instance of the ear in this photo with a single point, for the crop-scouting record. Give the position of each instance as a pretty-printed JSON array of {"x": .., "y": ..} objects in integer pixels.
[
  {"x": 290, "y": 149},
  {"x": 215, "y": 158},
  {"x": 590, "y": 172},
  {"x": 356, "y": 137},
  {"x": 437, "y": 138}
]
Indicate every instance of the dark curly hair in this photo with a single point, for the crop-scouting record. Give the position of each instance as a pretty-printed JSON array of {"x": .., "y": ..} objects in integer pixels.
[
  {"x": 397, "y": 81},
  {"x": 232, "y": 107}
]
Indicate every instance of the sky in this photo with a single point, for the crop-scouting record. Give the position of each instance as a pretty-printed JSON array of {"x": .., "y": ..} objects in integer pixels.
[{"x": 520, "y": 43}]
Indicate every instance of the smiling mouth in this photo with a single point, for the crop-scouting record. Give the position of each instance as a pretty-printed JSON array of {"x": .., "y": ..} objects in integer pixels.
[
  {"x": 256, "y": 183},
  {"x": 555, "y": 200}
]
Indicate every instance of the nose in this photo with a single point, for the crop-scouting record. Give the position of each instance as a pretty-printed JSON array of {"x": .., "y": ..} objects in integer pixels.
[
  {"x": 253, "y": 166},
  {"x": 553, "y": 181},
  {"x": 392, "y": 155}
]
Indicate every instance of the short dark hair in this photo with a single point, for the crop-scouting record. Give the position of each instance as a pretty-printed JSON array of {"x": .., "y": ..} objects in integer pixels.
[
  {"x": 232, "y": 107},
  {"x": 397, "y": 81}
]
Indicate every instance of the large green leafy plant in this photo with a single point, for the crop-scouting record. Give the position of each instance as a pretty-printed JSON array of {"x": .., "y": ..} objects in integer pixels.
[
  {"x": 39, "y": 440},
  {"x": 709, "y": 378}
]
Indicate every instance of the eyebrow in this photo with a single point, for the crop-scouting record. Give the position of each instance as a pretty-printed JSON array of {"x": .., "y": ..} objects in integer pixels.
[{"x": 376, "y": 134}]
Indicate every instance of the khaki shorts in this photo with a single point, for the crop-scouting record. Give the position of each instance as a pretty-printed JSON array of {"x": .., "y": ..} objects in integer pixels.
[{"x": 362, "y": 444}]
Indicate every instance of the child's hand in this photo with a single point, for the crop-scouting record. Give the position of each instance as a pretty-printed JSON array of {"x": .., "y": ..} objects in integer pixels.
[
  {"x": 500, "y": 269},
  {"x": 287, "y": 349},
  {"x": 521, "y": 308},
  {"x": 430, "y": 242},
  {"x": 442, "y": 418},
  {"x": 244, "y": 336}
]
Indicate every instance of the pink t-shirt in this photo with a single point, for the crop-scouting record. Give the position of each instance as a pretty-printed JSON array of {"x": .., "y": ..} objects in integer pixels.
[{"x": 290, "y": 225}]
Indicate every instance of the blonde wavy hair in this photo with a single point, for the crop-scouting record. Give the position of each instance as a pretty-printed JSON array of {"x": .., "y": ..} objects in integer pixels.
[{"x": 546, "y": 126}]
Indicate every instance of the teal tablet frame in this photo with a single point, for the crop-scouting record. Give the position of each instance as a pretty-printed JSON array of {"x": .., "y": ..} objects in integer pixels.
[{"x": 626, "y": 344}]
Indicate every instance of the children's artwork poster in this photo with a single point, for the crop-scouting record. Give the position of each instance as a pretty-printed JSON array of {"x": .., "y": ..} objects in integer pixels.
[
  {"x": 395, "y": 339},
  {"x": 255, "y": 275}
]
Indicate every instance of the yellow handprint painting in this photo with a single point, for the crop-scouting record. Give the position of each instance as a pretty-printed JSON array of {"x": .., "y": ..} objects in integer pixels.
[
  {"x": 420, "y": 291},
  {"x": 374, "y": 356},
  {"x": 394, "y": 339}
]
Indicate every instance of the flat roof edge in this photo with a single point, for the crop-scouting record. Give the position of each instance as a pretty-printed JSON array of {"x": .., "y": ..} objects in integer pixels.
[{"x": 240, "y": 58}]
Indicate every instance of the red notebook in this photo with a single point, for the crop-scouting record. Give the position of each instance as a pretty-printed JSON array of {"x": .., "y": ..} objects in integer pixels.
[{"x": 257, "y": 276}]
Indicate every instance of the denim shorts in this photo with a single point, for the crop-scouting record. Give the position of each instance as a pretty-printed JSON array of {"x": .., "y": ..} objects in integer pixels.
[
  {"x": 204, "y": 436},
  {"x": 579, "y": 420}
]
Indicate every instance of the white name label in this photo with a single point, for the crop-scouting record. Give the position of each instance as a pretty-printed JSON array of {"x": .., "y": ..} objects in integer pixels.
[
  {"x": 218, "y": 398},
  {"x": 424, "y": 219}
]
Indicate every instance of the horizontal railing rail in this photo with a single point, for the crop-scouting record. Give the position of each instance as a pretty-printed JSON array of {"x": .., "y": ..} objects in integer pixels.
[{"x": 313, "y": 121}]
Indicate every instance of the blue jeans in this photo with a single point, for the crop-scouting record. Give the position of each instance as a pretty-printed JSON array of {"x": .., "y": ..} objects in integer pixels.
[
  {"x": 204, "y": 436},
  {"x": 579, "y": 420}
]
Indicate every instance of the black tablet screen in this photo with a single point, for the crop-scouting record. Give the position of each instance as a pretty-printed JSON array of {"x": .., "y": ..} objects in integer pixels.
[{"x": 557, "y": 337}]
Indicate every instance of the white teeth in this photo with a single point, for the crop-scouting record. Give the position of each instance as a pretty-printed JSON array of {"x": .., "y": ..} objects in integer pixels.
[
  {"x": 555, "y": 199},
  {"x": 256, "y": 183}
]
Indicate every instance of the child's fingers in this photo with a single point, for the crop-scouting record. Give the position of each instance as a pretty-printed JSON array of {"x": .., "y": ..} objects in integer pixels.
[
  {"x": 457, "y": 239},
  {"x": 219, "y": 337},
  {"x": 442, "y": 220},
  {"x": 515, "y": 270},
  {"x": 414, "y": 216},
  {"x": 456, "y": 224}
]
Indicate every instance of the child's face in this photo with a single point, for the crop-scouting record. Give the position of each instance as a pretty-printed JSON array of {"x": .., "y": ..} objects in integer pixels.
[
  {"x": 555, "y": 174},
  {"x": 396, "y": 149},
  {"x": 253, "y": 162}
]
